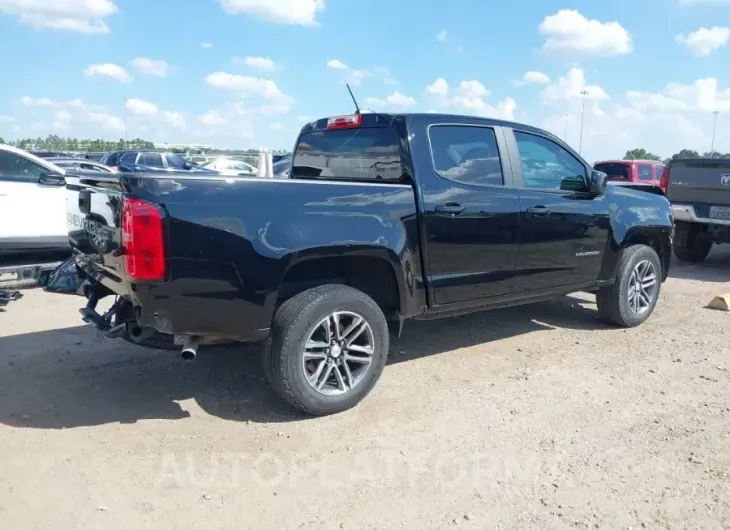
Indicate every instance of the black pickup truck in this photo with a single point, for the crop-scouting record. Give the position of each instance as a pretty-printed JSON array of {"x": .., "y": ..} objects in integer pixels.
[{"x": 384, "y": 218}]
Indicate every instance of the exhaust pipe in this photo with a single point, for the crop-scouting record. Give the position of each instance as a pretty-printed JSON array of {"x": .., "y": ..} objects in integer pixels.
[
  {"x": 190, "y": 348},
  {"x": 138, "y": 333}
]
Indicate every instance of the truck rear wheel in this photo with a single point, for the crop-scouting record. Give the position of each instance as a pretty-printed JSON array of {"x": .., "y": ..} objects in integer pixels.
[
  {"x": 632, "y": 297},
  {"x": 690, "y": 244},
  {"x": 327, "y": 348}
]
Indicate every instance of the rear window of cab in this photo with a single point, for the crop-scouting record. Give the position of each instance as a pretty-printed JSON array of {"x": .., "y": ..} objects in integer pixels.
[{"x": 361, "y": 154}]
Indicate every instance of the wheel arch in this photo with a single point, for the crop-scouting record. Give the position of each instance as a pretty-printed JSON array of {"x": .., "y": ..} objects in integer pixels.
[
  {"x": 658, "y": 239},
  {"x": 376, "y": 271}
]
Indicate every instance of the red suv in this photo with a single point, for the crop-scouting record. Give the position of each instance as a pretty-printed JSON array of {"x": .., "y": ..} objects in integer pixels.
[{"x": 644, "y": 171}]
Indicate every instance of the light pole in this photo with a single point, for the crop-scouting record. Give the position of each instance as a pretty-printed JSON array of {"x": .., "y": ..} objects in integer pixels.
[
  {"x": 565, "y": 134},
  {"x": 582, "y": 116},
  {"x": 714, "y": 128}
]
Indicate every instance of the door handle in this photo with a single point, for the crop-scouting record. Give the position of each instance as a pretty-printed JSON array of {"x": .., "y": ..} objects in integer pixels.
[
  {"x": 539, "y": 211},
  {"x": 451, "y": 207}
]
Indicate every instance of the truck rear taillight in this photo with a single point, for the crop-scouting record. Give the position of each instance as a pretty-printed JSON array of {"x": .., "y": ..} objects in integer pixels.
[
  {"x": 142, "y": 241},
  {"x": 345, "y": 122},
  {"x": 664, "y": 180}
]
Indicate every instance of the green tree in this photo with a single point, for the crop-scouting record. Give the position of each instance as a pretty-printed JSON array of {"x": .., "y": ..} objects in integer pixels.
[
  {"x": 686, "y": 153},
  {"x": 2, "y": 141},
  {"x": 640, "y": 154}
]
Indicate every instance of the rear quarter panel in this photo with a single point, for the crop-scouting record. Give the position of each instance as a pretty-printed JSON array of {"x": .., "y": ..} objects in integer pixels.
[{"x": 230, "y": 242}]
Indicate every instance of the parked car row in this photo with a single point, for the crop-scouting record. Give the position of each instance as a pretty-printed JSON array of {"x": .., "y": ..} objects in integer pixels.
[{"x": 135, "y": 160}]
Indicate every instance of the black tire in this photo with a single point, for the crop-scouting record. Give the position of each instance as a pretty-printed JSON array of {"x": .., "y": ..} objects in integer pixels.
[
  {"x": 294, "y": 322},
  {"x": 612, "y": 301},
  {"x": 690, "y": 244}
]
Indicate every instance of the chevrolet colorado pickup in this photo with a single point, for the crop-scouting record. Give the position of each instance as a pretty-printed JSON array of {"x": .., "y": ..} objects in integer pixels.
[
  {"x": 383, "y": 218},
  {"x": 699, "y": 190}
]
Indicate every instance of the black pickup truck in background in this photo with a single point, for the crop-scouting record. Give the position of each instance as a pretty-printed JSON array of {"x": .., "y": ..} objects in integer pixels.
[
  {"x": 384, "y": 218},
  {"x": 699, "y": 190}
]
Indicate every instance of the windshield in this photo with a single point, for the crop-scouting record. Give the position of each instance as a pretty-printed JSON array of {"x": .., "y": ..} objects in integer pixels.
[{"x": 367, "y": 154}]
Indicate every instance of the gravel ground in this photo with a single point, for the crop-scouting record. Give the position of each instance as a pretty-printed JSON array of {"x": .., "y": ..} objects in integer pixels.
[{"x": 532, "y": 417}]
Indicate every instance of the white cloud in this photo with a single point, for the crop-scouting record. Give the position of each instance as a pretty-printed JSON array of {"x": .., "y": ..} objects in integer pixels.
[
  {"x": 112, "y": 71},
  {"x": 655, "y": 102},
  {"x": 396, "y": 99},
  {"x": 77, "y": 112},
  {"x": 303, "y": 12},
  {"x": 140, "y": 107},
  {"x": 677, "y": 117},
  {"x": 259, "y": 63},
  {"x": 83, "y": 16},
  {"x": 212, "y": 117},
  {"x": 470, "y": 97},
  {"x": 247, "y": 85},
  {"x": 356, "y": 76},
  {"x": 75, "y": 104},
  {"x": 460, "y": 49},
  {"x": 106, "y": 121},
  {"x": 6, "y": 119},
  {"x": 703, "y": 95},
  {"x": 336, "y": 64},
  {"x": 79, "y": 118},
  {"x": 441, "y": 35},
  {"x": 439, "y": 87},
  {"x": 175, "y": 119},
  {"x": 146, "y": 112},
  {"x": 472, "y": 89},
  {"x": 569, "y": 32},
  {"x": 270, "y": 110},
  {"x": 570, "y": 86},
  {"x": 384, "y": 73},
  {"x": 206, "y": 45},
  {"x": 277, "y": 127},
  {"x": 63, "y": 115},
  {"x": 705, "y": 40},
  {"x": 532, "y": 78},
  {"x": 153, "y": 67}
]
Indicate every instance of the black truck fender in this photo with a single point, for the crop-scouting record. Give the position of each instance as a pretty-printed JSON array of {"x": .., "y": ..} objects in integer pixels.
[{"x": 375, "y": 270}]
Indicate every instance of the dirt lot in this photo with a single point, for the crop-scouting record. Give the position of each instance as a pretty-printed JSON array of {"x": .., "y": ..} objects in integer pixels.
[{"x": 533, "y": 417}]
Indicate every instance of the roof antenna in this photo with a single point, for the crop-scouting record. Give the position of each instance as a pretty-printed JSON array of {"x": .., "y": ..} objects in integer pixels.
[{"x": 357, "y": 108}]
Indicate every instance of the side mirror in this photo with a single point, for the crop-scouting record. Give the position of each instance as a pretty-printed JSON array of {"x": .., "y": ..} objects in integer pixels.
[
  {"x": 51, "y": 179},
  {"x": 597, "y": 182},
  {"x": 187, "y": 166}
]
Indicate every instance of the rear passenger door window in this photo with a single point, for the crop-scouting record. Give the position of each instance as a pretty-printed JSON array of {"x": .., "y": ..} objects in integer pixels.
[
  {"x": 466, "y": 154},
  {"x": 548, "y": 166},
  {"x": 153, "y": 160},
  {"x": 645, "y": 172}
]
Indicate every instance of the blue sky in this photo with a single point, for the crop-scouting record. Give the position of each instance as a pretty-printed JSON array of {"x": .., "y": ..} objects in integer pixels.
[{"x": 246, "y": 73}]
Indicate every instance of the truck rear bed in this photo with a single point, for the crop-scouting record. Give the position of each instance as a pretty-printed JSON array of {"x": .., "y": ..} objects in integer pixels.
[{"x": 699, "y": 190}]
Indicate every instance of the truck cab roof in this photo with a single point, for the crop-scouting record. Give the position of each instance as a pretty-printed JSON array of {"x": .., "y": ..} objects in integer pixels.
[{"x": 380, "y": 119}]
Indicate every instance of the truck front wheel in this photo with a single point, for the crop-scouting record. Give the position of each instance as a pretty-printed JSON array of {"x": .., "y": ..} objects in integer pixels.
[
  {"x": 631, "y": 299},
  {"x": 690, "y": 243},
  {"x": 327, "y": 348}
]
